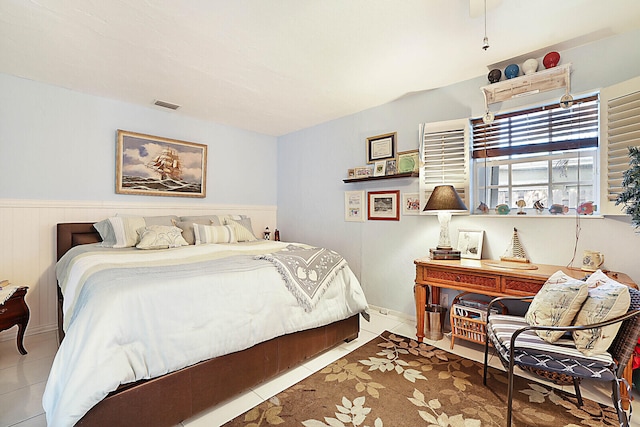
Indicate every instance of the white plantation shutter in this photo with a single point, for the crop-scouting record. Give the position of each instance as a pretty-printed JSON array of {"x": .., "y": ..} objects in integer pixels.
[
  {"x": 444, "y": 157},
  {"x": 620, "y": 129}
]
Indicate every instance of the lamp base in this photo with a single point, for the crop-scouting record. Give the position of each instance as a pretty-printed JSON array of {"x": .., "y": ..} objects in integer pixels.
[{"x": 444, "y": 254}]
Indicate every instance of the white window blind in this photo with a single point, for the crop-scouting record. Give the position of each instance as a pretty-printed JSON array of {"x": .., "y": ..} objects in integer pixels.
[
  {"x": 620, "y": 130},
  {"x": 444, "y": 157}
]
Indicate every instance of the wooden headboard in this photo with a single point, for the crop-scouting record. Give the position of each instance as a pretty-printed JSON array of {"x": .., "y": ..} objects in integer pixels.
[{"x": 72, "y": 234}]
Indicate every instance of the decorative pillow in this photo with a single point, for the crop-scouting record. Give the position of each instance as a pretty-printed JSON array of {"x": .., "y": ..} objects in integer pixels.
[
  {"x": 105, "y": 230},
  {"x": 202, "y": 219},
  {"x": 213, "y": 234},
  {"x": 242, "y": 227},
  {"x": 607, "y": 299},
  {"x": 556, "y": 304},
  {"x": 187, "y": 228},
  {"x": 160, "y": 237},
  {"x": 125, "y": 230},
  {"x": 160, "y": 220}
]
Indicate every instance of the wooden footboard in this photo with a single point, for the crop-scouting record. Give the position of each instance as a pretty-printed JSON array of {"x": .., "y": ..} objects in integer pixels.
[{"x": 172, "y": 398}]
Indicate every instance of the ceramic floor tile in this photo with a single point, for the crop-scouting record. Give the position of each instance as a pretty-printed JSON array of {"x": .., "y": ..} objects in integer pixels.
[
  {"x": 38, "y": 346},
  {"x": 38, "y": 421},
  {"x": 21, "y": 404},
  {"x": 225, "y": 411},
  {"x": 379, "y": 322},
  {"x": 25, "y": 373}
]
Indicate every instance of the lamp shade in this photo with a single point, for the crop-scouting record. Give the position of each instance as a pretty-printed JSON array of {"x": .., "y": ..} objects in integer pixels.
[{"x": 445, "y": 198}]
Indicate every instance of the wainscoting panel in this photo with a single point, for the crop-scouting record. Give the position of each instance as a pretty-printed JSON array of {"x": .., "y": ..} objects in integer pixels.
[{"x": 28, "y": 242}]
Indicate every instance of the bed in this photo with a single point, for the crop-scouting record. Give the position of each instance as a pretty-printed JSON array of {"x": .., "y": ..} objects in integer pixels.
[{"x": 168, "y": 398}]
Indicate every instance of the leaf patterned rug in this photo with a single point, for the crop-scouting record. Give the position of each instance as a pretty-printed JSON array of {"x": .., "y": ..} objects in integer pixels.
[{"x": 395, "y": 381}]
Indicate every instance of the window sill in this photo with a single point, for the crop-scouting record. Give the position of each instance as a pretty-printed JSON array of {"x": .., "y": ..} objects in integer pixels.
[{"x": 535, "y": 215}]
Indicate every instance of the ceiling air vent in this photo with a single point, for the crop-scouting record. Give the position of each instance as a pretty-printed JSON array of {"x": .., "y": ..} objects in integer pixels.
[{"x": 166, "y": 104}]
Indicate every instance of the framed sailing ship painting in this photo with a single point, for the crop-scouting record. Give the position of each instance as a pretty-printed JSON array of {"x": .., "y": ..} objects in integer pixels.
[{"x": 156, "y": 166}]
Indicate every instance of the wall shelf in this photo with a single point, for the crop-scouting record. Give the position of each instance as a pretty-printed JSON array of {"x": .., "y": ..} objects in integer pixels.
[
  {"x": 541, "y": 81},
  {"x": 374, "y": 178}
]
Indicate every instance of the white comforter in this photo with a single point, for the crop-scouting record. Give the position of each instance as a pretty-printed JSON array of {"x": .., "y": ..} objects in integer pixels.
[{"x": 133, "y": 314}]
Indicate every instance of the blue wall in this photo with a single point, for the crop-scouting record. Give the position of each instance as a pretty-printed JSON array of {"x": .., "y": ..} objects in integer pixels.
[
  {"x": 57, "y": 144},
  {"x": 314, "y": 161}
]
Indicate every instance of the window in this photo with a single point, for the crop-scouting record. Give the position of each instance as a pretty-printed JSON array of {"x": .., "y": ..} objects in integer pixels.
[{"x": 547, "y": 154}]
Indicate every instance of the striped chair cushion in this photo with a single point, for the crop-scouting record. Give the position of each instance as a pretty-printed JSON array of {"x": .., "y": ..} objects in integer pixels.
[{"x": 561, "y": 356}]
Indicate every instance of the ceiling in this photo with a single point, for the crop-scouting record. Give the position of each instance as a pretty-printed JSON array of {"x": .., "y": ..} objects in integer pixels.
[{"x": 277, "y": 66}]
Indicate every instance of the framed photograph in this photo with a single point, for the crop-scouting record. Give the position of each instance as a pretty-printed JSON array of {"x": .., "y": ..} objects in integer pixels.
[
  {"x": 363, "y": 172},
  {"x": 351, "y": 173},
  {"x": 383, "y": 205},
  {"x": 470, "y": 243},
  {"x": 381, "y": 147},
  {"x": 391, "y": 167},
  {"x": 354, "y": 206},
  {"x": 408, "y": 161},
  {"x": 155, "y": 166},
  {"x": 379, "y": 168},
  {"x": 410, "y": 204}
]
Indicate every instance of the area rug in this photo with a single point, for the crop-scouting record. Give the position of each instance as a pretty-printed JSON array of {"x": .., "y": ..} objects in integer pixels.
[{"x": 395, "y": 381}]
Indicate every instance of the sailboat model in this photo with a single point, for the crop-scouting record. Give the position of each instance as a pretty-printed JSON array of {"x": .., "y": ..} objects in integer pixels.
[
  {"x": 515, "y": 252},
  {"x": 167, "y": 164}
]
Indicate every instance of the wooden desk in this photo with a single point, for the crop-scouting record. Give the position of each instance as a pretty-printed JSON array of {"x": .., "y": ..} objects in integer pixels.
[{"x": 481, "y": 277}]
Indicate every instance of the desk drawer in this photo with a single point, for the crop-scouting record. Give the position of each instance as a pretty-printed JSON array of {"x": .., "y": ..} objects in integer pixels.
[
  {"x": 516, "y": 286},
  {"x": 455, "y": 279}
]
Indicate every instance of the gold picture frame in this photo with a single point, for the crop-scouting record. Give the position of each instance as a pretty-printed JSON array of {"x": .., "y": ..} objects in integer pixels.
[
  {"x": 150, "y": 165},
  {"x": 381, "y": 147},
  {"x": 408, "y": 161}
]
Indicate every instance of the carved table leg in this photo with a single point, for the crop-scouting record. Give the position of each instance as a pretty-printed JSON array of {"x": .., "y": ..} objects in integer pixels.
[{"x": 22, "y": 326}]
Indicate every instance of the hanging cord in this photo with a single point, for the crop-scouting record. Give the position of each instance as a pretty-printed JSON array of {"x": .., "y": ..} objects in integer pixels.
[{"x": 578, "y": 228}]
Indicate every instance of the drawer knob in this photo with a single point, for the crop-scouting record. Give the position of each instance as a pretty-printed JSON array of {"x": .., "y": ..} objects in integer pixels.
[{"x": 457, "y": 278}]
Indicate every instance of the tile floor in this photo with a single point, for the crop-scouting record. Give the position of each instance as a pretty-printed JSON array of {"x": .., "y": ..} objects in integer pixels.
[{"x": 23, "y": 378}]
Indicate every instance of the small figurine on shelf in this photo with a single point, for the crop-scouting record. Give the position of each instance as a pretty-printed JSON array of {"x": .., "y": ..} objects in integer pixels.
[
  {"x": 483, "y": 208},
  {"x": 267, "y": 234},
  {"x": 276, "y": 236},
  {"x": 538, "y": 206},
  {"x": 521, "y": 204}
]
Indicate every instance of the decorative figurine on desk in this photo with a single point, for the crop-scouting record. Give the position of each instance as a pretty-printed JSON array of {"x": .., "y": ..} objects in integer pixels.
[
  {"x": 515, "y": 252},
  {"x": 267, "y": 234}
]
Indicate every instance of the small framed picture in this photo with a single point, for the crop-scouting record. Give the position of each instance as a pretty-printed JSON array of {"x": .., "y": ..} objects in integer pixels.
[
  {"x": 408, "y": 161},
  {"x": 391, "y": 167},
  {"x": 351, "y": 173},
  {"x": 381, "y": 147},
  {"x": 354, "y": 206},
  {"x": 383, "y": 205},
  {"x": 379, "y": 168},
  {"x": 410, "y": 204},
  {"x": 363, "y": 172},
  {"x": 470, "y": 243}
]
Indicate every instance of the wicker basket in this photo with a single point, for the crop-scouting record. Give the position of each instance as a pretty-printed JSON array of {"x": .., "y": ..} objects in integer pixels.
[{"x": 468, "y": 318}]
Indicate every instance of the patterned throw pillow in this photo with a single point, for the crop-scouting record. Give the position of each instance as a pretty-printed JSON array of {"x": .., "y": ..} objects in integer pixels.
[
  {"x": 160, "y": 237},
  {"x": 242, "y": 227},
  {"x": 607, "y": 299},
  {"x": 556, "y": 304},
  {"x": 213, "y": 234}
]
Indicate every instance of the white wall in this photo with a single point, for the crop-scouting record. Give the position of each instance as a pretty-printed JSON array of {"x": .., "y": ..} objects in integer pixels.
[
  {"x": 313, "y": 162},
  {"x": 58, "y": 165}
]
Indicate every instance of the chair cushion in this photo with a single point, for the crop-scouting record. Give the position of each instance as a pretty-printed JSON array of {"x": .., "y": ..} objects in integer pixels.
[
  {"x": 556, "y": 304},
  {"x": 607, "y": 299},
  {"x": 561, "y": 356}
]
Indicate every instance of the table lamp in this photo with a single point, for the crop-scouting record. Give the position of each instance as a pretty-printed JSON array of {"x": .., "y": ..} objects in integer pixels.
[{"x": 444, "y": 200}]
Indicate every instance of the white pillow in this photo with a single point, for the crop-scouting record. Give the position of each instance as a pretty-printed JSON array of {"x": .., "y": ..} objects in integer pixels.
[
  {"x": 607, "y": 299},
  {"x": 125, "y": 230},
  {"x": 160, "y": 237},
  {"x": 556, "y": 304},
  {"x": 214, "y": 234}
]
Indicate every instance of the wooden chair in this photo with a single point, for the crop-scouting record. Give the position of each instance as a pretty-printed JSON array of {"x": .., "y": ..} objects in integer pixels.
[{"x": 518, "y": 345}]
